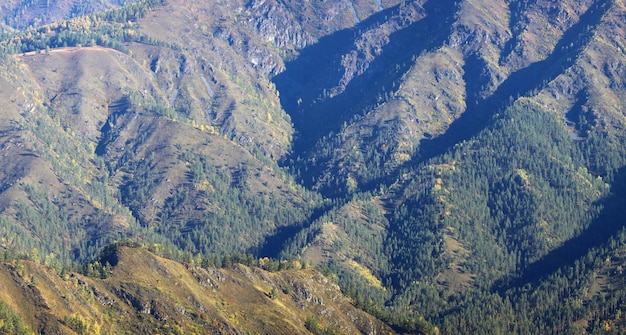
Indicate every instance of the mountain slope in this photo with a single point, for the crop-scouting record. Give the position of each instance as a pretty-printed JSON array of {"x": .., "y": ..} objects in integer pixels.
[
  {"x": 432, "y": 204},
  {"x": 440, "y": 157},
  {"x": 21, "y": 14},
  {"x": 144, "y": 293},
  {"x": 115, "y": 149}
]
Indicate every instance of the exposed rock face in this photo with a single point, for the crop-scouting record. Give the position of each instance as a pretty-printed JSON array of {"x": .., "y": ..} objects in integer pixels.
[{"x": 277, "y": 25}]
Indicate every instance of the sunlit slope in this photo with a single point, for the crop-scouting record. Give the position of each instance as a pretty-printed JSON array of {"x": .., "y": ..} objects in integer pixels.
[{"x": 144, "y": 293}]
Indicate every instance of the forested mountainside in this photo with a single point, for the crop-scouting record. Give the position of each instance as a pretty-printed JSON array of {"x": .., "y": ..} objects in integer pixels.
[
  {"x": 21, "y": 14},
  {"x": 455, "y": 166}
]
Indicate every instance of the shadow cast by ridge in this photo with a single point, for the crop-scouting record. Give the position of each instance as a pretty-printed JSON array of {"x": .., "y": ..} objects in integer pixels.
[
  {"x": 304, "y": 85},
  {"x": 524, "y": 82}
]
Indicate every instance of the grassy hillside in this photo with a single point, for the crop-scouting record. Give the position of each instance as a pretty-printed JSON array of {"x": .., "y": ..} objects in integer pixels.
[{"x": 144, "y": 293}]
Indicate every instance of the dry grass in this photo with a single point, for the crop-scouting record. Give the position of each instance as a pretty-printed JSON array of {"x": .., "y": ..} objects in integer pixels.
[{"x": 149, "y": 293}]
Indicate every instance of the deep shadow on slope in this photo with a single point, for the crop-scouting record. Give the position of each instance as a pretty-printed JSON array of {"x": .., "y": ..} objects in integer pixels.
[
  {"x": 276, "y": 244},
  {"x": 480, "y": 113},
  {"x": 525, "y": 82},
  {"x": 319, "y": 120},
  {"x": 318, "y": 68},
  {"x": 517, "y": 9},
  {"x": 607, "y": 224},
  {"x": 108, "y": 131}
]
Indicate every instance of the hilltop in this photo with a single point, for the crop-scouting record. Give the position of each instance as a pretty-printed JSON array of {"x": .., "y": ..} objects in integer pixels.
[{"x": 144, "y": 293}]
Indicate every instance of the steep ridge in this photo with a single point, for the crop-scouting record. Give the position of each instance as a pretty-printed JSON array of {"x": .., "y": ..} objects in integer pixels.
[
  {"x": 367, "y": 64},
  {"x": 121, "y": 124},
  {"x": 144, "y": 293},
  {"x": 418, "y": 204},
  {"x": 521, "y": 83}
]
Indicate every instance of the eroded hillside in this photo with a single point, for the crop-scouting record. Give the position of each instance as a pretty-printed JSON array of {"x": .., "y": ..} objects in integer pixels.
[{"x": 144, "y": 293}]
